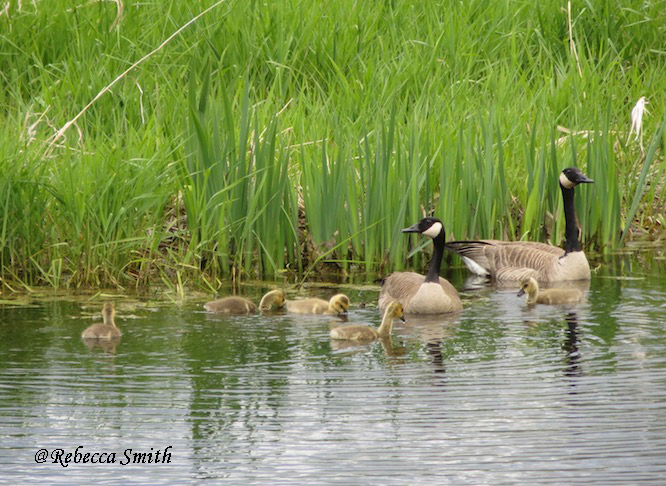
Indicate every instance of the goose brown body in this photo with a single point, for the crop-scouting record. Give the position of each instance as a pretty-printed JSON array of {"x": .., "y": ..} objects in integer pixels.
[
  {"x": 422, "y": 294},
  {"x": 517, "y": 260},
  {"x": 105, "y": 330}
]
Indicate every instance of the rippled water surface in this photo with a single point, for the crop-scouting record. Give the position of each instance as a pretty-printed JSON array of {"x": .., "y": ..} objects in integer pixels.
[{"x": 498, "y": 394}]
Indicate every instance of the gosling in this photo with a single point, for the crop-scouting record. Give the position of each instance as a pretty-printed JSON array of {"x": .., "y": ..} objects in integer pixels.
[
  {"x": 240, "y": 305},
  {"x": 359, "y": 332},
  {"x": 530, "y": 287},
  {"x": 339, "y": 304},
  {"x": 107, "y": 330}
]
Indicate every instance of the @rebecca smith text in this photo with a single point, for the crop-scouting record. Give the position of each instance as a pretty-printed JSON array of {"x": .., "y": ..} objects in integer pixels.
[{"x": 79, "y": 456}]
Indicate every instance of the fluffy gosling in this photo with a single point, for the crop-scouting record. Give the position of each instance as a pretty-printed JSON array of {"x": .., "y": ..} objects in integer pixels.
[
  {"x": 106, "y": 330},
  {"x": 360, "y": 332},
  {"x": 240, "y": 305},
  {"x": 339, "y": 304},
  {"x": 530, "y": 287}
]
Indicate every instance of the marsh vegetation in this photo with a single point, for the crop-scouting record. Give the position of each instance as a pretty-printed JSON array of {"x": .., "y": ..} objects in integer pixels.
[{"x": 266, "y": 138}]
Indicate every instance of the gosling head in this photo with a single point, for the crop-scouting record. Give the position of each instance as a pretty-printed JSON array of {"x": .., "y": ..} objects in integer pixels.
[
  {"x": 396, "y": 310},
  {"x": 274, "y": 299},
  {"x": 572, "y": 176},
  {"x": 339, "y": 303},
  {"x": 431, "y": 227},
  {"x": 528, "y": 285},
  {"x": 108, "y": 312}
]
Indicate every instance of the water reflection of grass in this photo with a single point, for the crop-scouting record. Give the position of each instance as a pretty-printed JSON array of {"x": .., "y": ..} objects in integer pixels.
[{"x": 265, "y": 138}]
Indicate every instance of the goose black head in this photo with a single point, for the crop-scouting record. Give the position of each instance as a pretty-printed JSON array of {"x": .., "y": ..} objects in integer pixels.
[
  {"x": 572, "y": 176},
  {"x": 431, "y": 227}
]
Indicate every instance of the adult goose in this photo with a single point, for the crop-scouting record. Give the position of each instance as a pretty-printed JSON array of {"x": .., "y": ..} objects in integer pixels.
[
  {"x": 422, "y": 294},
  {"x": 518, "y": 260}
]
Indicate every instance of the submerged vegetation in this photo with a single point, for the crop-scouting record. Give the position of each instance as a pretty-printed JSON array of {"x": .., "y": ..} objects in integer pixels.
[{"x": 278, "y": 136}]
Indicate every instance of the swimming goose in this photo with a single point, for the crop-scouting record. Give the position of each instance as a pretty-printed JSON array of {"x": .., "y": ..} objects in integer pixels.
[
  {"x": 418, "y": 294},
  {"x": 360, "y": 332},
  {"x": 516, "y": 260},
  {"x": 530, "y": 287},
  {"x": 106, "y": 330},
  {"x": 339, "y": 304},
  {"x": 240, "y": 305}
]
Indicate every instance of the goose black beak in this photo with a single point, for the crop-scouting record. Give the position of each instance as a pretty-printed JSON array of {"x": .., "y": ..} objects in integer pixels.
[
  {"x": 585, "y": 180},
  {"x": 521, "y": 292},
  {"x": 412, "y": 229}
]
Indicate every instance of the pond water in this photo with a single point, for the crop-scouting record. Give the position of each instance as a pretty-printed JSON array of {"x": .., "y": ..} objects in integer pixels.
[{"x": 498, "y": 394}]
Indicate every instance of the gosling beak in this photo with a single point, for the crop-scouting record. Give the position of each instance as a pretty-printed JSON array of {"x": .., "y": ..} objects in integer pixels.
[
  {"x": 412, "y": 229},
  {"x": 521, "y": 292},
  {"x": 402, "y": 318}
]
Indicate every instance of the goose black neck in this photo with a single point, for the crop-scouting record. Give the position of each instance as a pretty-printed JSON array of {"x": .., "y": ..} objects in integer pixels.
[
  {"x": 571, "y": 242},
  {"x": 436, "y": 262}
]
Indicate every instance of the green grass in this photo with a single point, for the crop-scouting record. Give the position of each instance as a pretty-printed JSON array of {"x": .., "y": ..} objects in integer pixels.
[{"x": 271, "y": 138}]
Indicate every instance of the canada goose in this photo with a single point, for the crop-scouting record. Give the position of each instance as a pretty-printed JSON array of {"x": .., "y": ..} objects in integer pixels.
[
  {"x": 240, "y": 305},
  {"x": 507, "y": 260},
  {"x": 108, "y": 329},
  {"x": 360, "y": 332},
  {"x": 530, "y": 287},
  {"x": 418, "y": 294},
  {"x": 339, "y": 304}
]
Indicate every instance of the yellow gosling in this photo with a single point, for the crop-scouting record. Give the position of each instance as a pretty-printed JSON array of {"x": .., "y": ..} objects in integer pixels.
[
  {"x": 231, "y": 305},
  {"x": 530, "y": 287},
  {"x": 106, "y": 330},
  {"x": 339, "y": 304},
  {"x": 240, "y": 305},
  {"x": 272, "y": 300},
  {"x": 360, "y": 332}
]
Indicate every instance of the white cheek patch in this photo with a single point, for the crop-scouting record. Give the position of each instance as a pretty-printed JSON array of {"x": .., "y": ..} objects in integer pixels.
[
  {"x": 434, "y": 230},
  {"x": 566, "y": 183}
]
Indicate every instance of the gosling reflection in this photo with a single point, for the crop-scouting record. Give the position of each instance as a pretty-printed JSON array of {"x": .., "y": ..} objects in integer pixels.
[
  {"x": 106, "y": 345},
  {"x": 390, "y": 348}
]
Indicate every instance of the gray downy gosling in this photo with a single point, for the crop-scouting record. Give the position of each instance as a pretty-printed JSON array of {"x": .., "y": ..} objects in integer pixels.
[
  {"x": 360, "y": 332},
  {"x": 105, "y": 330},
  {"x": 530, "y": 287},
  {"x": 239, "y": 305},
  {"x": 339, "y": 304}
]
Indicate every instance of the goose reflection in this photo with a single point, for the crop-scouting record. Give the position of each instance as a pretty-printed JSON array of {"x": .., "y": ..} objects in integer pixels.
[
  {"x": 570, "y": 346},
  {"x": 432, "y": 331}
]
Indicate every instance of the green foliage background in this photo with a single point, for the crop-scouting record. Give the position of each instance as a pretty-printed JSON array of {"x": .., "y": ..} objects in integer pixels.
[{"x": 278, "y": 135}]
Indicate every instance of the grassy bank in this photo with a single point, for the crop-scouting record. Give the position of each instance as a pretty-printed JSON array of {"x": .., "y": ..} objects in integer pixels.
[{"x": 265, "y": 138}]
